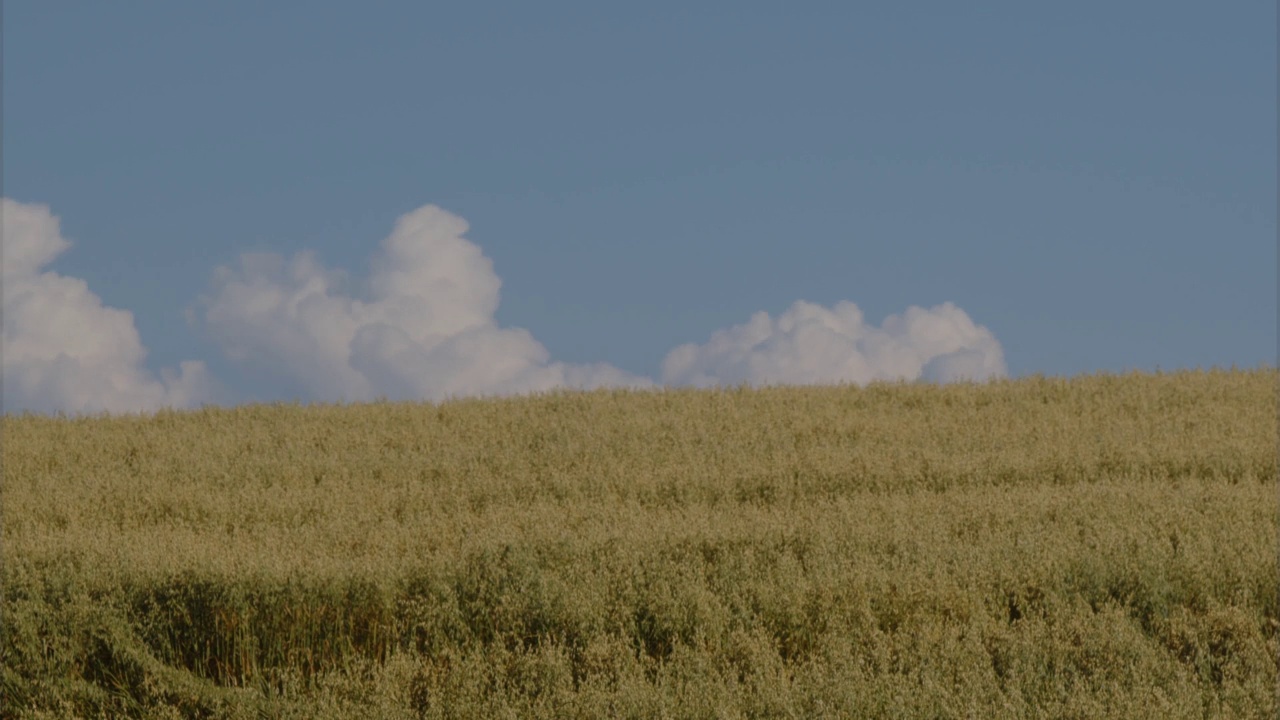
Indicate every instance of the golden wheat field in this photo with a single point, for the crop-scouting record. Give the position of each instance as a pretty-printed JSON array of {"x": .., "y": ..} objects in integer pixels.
[{"x": 1098, "y": 547}]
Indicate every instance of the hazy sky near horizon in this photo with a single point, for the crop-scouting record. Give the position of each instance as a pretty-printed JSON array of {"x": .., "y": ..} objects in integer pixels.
[{"x": 225, "y": 202}]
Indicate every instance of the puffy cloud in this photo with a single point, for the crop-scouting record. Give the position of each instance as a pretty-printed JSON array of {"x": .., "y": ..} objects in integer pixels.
[
  {"x": 63, "y": 350},
  {"x": 425, "y": 331},
  {"x": 812, "y": 344}
]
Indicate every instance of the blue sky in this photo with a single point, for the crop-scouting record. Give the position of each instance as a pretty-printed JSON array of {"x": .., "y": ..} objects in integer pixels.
[{"x": 1092, "y": 185}]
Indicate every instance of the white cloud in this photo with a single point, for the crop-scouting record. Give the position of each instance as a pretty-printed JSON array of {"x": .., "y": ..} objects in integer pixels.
[
  {"x": 812, "y": 344},
  {"x": 63, "y": 350},
  {"x": 426, "y": 329}
]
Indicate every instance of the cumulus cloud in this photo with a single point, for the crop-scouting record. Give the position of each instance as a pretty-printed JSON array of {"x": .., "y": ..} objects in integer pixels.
[
  {"x": 812, "y": 344},
  {"x": 426, "y": 329},
  {"x": 63, "y": 350},
  {"x": 423, "y": 328}
]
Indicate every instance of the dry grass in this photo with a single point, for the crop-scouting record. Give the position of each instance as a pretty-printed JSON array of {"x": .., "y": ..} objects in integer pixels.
[{"x": 1098, "y": 547}]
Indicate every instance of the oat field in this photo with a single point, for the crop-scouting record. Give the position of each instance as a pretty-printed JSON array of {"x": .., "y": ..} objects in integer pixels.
[{"x": 1096, "y": 547}]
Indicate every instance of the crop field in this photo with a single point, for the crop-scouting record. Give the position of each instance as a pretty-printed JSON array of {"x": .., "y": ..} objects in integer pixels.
[{"x": 1096, "y": 547}]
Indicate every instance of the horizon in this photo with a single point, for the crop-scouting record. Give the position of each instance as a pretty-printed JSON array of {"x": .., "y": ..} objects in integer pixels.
[{"x": 564, "y": 391}]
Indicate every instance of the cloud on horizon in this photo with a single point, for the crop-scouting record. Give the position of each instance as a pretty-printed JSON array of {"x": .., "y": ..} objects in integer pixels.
[
  {"x": 424, "y": 329},
  {"x": 810, "y": 344},
  {"x": 63, "y": 350}
]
